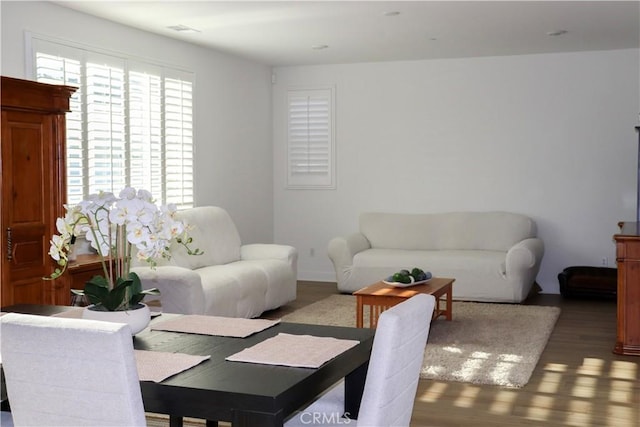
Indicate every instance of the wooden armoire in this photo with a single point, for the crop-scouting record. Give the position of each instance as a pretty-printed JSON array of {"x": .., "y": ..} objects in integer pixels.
[{"x": 33, "y": 189}]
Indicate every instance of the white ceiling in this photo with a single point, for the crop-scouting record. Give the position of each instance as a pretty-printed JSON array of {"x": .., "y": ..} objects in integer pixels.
[{"x": 281, "y": 33}]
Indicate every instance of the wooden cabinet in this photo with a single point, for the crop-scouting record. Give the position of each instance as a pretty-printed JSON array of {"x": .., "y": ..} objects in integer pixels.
[
  {"x": 33, "y": 188},
  {"x": 628, "y": 260}
]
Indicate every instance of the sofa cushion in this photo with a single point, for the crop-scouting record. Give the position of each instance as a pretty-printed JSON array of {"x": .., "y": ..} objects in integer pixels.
[
  {"x": 494, "y": 231},
  {"x": 479, "y": 275},
  {"x": 392, "y": 260},
  {"x": 213, "y": 232}
]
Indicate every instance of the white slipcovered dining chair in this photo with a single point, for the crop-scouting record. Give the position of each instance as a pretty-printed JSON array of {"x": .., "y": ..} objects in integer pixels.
[
  {"x": 393, "y": 374},
  {"x": 70, "y": 372}
]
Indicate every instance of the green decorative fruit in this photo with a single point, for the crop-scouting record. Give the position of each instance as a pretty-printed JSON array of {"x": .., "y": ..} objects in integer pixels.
[{"x": 401, "y": 278}]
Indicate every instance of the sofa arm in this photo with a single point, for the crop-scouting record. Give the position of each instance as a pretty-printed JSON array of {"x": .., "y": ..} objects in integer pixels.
[
  {"x": 341, "y": 252},
  {"x": 268, "y": 250},
  {"x": 286, "y": 253},
  {"x": 523, "y": 259},
  {"x": 180, "y": 288}
]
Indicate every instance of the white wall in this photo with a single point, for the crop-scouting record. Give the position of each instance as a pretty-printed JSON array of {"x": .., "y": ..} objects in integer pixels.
[
  {"x": 232, "y": 123},
  {"x": 550, "y": 136}
]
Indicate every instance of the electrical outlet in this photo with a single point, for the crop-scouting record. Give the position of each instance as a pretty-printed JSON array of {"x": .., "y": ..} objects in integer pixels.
[
  {"x": 312, "y": 252},
  {"x": 605, "y": 261}
]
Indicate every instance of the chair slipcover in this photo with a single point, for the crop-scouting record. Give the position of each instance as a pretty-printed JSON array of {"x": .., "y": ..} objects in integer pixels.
[
  {"x": 393, "y": 374},
  {"x": 70, "y": 372},
  {"x": 5, "y": 419}
]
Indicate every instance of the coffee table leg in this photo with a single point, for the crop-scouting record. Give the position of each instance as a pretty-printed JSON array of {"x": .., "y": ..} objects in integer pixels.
[
  {"x": 449, "y": 295},
  {"x": 359, "y": 313}
]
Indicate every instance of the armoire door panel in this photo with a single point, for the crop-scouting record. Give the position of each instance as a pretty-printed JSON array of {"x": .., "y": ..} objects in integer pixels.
[
  {"x": 29, "y": 174},
  {"x": 28, "y": 292},
  {"x": 28, "y": 144}
]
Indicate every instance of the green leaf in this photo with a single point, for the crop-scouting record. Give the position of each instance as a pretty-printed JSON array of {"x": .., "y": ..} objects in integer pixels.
[
  {"x": 114, "y": 300},
  {"x": 96, "y": 289},
  {"x": 127, "y": 292},
  {"x": 136, "y": 283}
]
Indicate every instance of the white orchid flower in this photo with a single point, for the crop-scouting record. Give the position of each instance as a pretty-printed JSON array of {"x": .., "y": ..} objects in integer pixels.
[
  {"x": 102, "y": 217},
  {"x": 56, "y": 251},
  {"x": 128, "y": 193}
]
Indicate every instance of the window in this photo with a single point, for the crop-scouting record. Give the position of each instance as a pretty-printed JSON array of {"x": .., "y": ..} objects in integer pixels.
[
  {"x": 310, "y": 140},
  {"x": 131, "y": 122}
]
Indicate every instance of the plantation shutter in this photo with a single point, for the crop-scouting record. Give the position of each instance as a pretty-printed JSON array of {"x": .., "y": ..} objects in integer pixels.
[
  {"x": 145, "y": 131},
  {"x": 310, "y": 141},
  {"x": 179, "y": 141},
  {"x": 131, "y": 122},
  {"x": 64, "y": 66},
  {"x": 105, "y": 121}
]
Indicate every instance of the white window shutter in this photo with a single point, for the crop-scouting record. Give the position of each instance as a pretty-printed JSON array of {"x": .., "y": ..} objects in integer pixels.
[
  {"x": 56, "y": 69},
  {"x": 131, "y": 122},
  {"x": 178, "y": 170},
  {"x": 145, "y": 132},
  {"x": 310, "y": 138},
  {"x": 106, "y": 142}
]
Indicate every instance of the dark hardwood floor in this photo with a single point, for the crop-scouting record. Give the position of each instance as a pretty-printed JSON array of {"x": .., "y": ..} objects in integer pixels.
[{"x": 577, "y": 382}]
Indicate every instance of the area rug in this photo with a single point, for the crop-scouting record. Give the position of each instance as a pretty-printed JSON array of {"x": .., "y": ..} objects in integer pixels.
[{"x": 496, "y": 344}]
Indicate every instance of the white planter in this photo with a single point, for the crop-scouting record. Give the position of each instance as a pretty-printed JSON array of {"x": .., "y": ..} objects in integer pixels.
[{"x": 137, "y": 319}]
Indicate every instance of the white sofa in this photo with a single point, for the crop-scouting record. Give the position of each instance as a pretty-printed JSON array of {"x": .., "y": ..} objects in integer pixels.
[
  {"x": 493, "y": 256},
  {"x": 229, "y": 279}
]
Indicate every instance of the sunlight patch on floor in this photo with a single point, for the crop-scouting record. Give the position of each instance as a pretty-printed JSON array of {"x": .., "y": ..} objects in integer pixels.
[
  {"x": 579, "y": 414},
  {"x": 511, "y": 358},
  {"x": 621, "y": 392},
  {"x": 622, "y": 416},
  {"x": 480, "y": 355},
  {"x": 452, "y": 349},
  {"x": 433, "y": 393},
  {"x": 501, "y": 370},
  {"x": 591, "y": 366},
  {"x": 624, "y": 370},
  {"x": 550, "y": 382},
  {"x": 503, "y": 403},
  {"x": 585, "y": 387},
  {"x": 467, "y": 397},
  {"x": 540, "y": 408},
  {"x": 472, "y": 364},
  {"x": 556, "y": 367}
]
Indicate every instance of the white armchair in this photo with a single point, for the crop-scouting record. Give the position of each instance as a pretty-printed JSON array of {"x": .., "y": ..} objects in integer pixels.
[{"x": 228, "y": 279}]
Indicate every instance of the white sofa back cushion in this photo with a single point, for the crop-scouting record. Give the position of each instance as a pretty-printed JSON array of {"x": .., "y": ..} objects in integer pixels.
[
  {"x": 214, "y": 233},
  {"x": 495, "y": 231}
]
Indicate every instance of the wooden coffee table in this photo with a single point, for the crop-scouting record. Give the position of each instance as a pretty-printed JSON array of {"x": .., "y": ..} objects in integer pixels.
[{"x": 381, "y": 296}]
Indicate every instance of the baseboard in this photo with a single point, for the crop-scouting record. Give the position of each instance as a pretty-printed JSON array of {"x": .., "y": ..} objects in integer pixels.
[{"x": 317, "y": 276}]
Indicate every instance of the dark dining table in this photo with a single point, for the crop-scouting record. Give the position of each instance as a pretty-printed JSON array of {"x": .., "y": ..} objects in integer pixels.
[{"x": 245, "y": 394}]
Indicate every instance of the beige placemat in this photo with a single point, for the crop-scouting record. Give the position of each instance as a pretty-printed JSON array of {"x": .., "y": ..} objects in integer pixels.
[
  {"x": 303, "y": 351},
  {"x": 214, "y": 325},
  {"x": 157, "y": 366}
]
